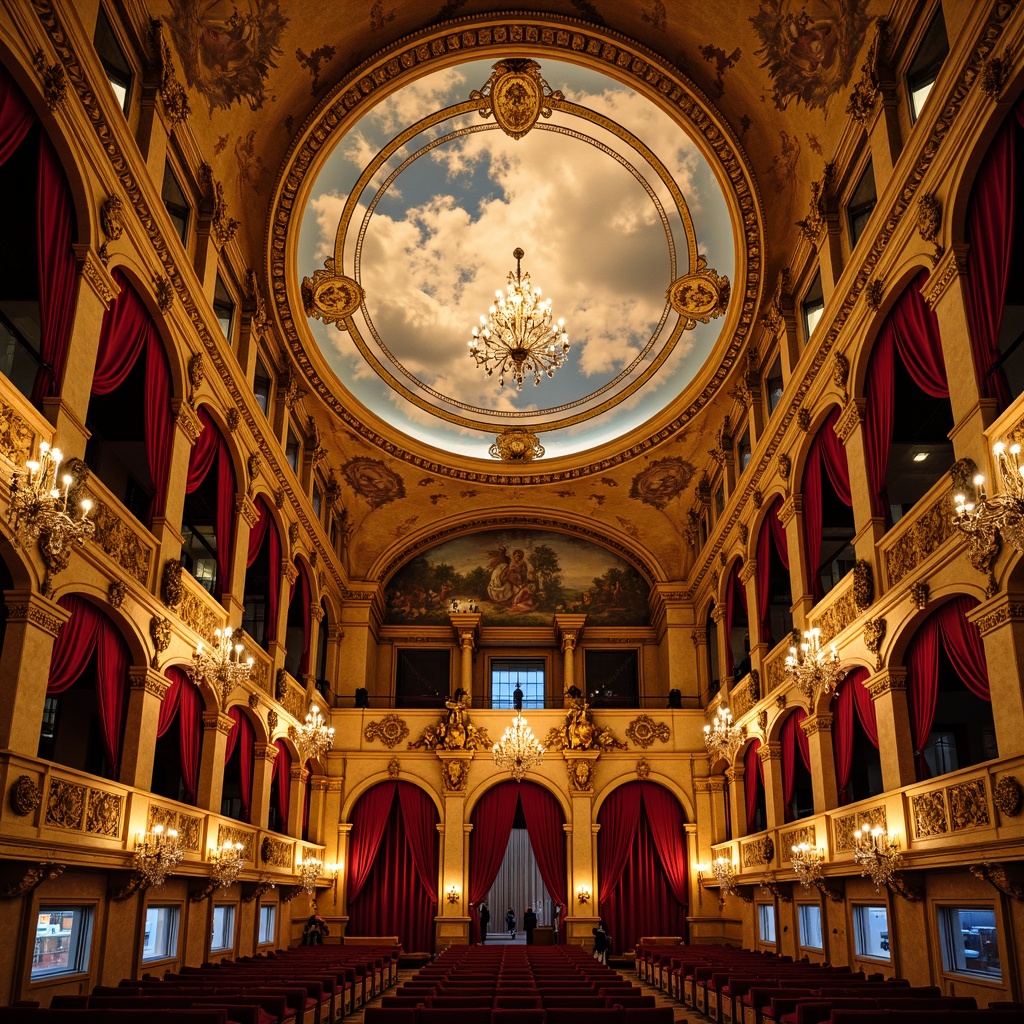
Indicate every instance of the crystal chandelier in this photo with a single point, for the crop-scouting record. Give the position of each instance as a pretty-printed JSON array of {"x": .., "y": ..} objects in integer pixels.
[
  {"x": 807, "y": 865},
  {"x": 877, "y": 853},
  {"x": 157, "y": 853},
  {"x": 726, "y": 875},
  {"x": 518, "y": 750},
  {"x": 39, "y": 507},
  {"x": 314, "y": 737},
  {"x": 227, "y": 862},
  {"x": 309, "y": 871},
  {"x": 221, "y": 665},
  {"x": 722, "y": 738},
  {"x": 1004, "y": 512},
  {"x": 814, "y": 669},
  {"x": 518, "y": 336}
]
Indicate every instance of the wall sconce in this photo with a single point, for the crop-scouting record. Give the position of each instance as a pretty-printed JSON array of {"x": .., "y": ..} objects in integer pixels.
[
  {"x": 453, "y": 894},
  {"x": 702, "y": 870},
  {"x": 309, "y": 871},
  {"x": 333, "y": 869},
  {"x": 226, "y": 863},
  {"x": 583, "y": 895}
]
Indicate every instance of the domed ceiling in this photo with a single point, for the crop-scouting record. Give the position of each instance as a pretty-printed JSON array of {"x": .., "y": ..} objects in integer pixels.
[{"x": 410, "y": 223}]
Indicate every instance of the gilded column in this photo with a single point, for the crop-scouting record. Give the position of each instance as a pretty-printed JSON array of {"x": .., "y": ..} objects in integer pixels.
[
  {"x": 719, "y": 818},
  {"x": 758, "y": 643},
  {"x": 452, "y": 924},
  {"x": 888, "y": 690},
  {"x": 317, "y": 803},
  {"x": 791, "y": 515},
  {"x": 233, "y": 593},
  {"x": 33, "y": 622},
  {"x": 264, "y": 756},
  {"x": 570, "y": 632},
  {"x": 297, "y": 799},
  {"x": 1001, "y": 624},
  {"x": 167, "y": 527},
  {"x": 774, "y": 794},
  {"x": 818, "y": 730},
  {"x": 344, "y": 838},
  {"x": 276, "y": 632},
  {"x": 216, "y": 727},
  {"x": 737, "y": 800},
  {"x": 147, "y": 687},
  {"x": 705, "y": 837}
]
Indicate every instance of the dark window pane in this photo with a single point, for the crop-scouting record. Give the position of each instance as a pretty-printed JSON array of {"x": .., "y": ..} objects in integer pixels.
[
  {"x": 422, "y": 678},
  {"x": 115, "y": 64},
  {"x": 612, "y": 678}
]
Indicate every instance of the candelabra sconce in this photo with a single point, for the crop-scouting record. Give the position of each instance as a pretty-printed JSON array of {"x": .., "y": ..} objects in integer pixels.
[
  {"x": 877, "y": 853},
  {"x": 814, "y": 669},
  {"x": 725, "y": 872},
  {"x": 722, "y": 738},
  {"x": 334, "y": 870},
  {"x": 309, "y": 872},
  {"x": 221, "y": 665},
  {"x": 227, "y": 862},
  {"x": 988, "y": 514},
  {"x": 583, "y": 895},
  {"x": 157, "y": 853},
  {"x": 453, "y": 895},
  {"x": 807, "y": 865},
  {"x": 314, "y": 737},
  {"x": 702, "y": 870},
  {"x": 38, "y": 508}
]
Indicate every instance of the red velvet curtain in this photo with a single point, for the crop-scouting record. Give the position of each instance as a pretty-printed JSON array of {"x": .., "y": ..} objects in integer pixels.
[
  {"x": 16, "y": 116},
  {"x": 845, "y": 708},
  {"x": 791, "y": 740},
  {"x": 257, "y": 533},
  {"x": 369, "y": 820},
  {"x": 265, "y": 529},
  {"x": 203, "y": 452},
  {"x": 301, "y": 585},
  {"x": 865, "y": 706},
  {"x": 735, "y": 597},
  {"x": 394, "y": 900},
  {"x": 753, "y": 778},
  {"x": 991, "y": 215},
  {"x": 282, "y": 779},
  {"x": 89, "y": 632},
  {"x": 963, "y": 645},
  {"x": 419, "y": 816},
  {"x": 183, "y": 704},
  {"x": 779, "y": 533},
  {"x": 492, "y": 825},
  {"x": 643, "y": 898},
  {"x": 211, "y": 449},
  {"x": 544, "y": 821},
  {"x": 242, "y": 736},
  {"x": 911, "y": 330},
  {"x": 772, "y": 537},
  {"x": 665, "y": 818},
  {"x": 172, "y": 698},
  {"x": 55, "y": 232},
  {"x": 128, "y": 330}
]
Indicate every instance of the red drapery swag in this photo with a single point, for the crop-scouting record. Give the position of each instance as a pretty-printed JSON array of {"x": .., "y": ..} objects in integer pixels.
[
  {"x": 307, "y": 796},
  {"x": 772, "y": 537},
  {"x": 183, "y": 704},
  {"x": 301, "y": 584},
  {"x": 398, "y": 891},
  {"x": 826, "y": 449},
  {"x": 86, "y": 633},
  {"x": 851, "y": 699},
  {"x": 735, "y": 597},
  {"x": 126, "y": 332},
  {"x": 753, "y": 778},
  {"x": 792, "y": 739},
  {"x": 642, "y": 858},
  {"x": 282, "y": 780},
  {"x": 991, "y": 216},
  {"x": 243, "y": 736},
  {"x": 265, "y": 529},
  {"x": 212, "y": 450},
  {"x": 962, "y": 643},
  {"x": 16, "y": 116},
  {"x": 492, "y": 825},
  {"x": 911, "y": 331}
]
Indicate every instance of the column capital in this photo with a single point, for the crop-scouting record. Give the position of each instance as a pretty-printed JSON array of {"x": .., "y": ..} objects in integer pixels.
[
  {"x": 142, "y": 677},
  {"x": 186, "y": 420},
  {"x": 219, "y": 721},
  {"x": 816, "y": 723},
  {"x": 790, "y": 507},
  {"x": 953, "y": 264},
  {"x": 570, "y": 629},
  {"x": 850, "y": 418},
  {"x": 996, "y": 612},
  {"x": 26, "y": 606},
  {"x": 246, "y": 508},
  {"x": 770, "y": 752},
  {"x": 889, "y": 679},
  {"x": 466, "y": 626},
  {"x": 344, "y": 828},
  {"x": 749, "y": 570},
  {"x": 298, "y": 773},
  {"x": 735, "y": 773},
  {"x": 267, "y": 751}
]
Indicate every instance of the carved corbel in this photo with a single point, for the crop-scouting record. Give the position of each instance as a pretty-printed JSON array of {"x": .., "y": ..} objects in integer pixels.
[
  {"x": 206, "y": 888},
  {"x": 899, "y": 885},
  {"x": 835, "y": 892},
  {"x": 33, "y": 875},
  {"x": 252, "y": 891},
  {"x": 123, "y": 887},
  {"x": 771, "y": 887},
  {"x": 997, "y": 875}
]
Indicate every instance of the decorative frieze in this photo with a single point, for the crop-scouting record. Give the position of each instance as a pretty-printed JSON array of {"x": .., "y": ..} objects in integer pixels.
[
  {"x": 757, "y": 853},
  {"x": 24, "y": 796},
  {"x": 16, "y": 436},
  {"x": 275, "y": 854},
  {"x": 1009, "y": 796},
  {"x": 836, "y": 615},
  {"x": 968, "y": 805},
  {"x": 227, "y": 834},
  {"x": 122, "y": 543},
  {"x": 929, "y": 814},
  {"x": 848, "y": 824},
  {"x": 796, "y": 836},
  {"x": 925, "y": 534},
  {"x": 79, "y": 808}
]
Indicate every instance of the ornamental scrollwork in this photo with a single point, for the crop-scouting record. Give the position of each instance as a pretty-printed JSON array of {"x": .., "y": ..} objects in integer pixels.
[
  {"x": 643, "y": 769},
  {"x": 116, "y": 593},
  {"x": 968, "y": 805},
  {"x": 581, "y": 773},
  {"x": 873, "y": 293},
  {"x": 758, "y": 853},
  {"x": 455, "y": 731},
  {"x": 930, "y": 818},
  {"x": 34, "y": 876},
  {"x": 52, "y": 79},
  {"x": 455, "y": 774},
  {"x": 25, "y": 796},
  {"x": 65, "y": 805},
  {"x": 994, "y": 73},
  {"x": 578, "y": 731},
  {"x": 919, "y": 592},
  {"x": 516, "y": 445},
  {"x": 998, "y": 877},
  {"x": 643, "y": 731},
  {"x": 863, "y": 584},
  {"x": 390, "y": 730},
  {"x": 160, "y": 632},
  {"x": 701, "y": 296},
  {"x": 394, "y": 768},
  {"x": 1009, "y": 796},
  {"x": 874, "y": 634},
  {"x": 929, "y": 223},
  {"x": 171, "y": 587},
  {"x": 517, "y": 95}
]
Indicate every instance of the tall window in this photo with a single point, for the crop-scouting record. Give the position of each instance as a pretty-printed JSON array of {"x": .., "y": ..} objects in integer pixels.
[
  {"x": 766, "y": 922},
  {"x": 160, "y": 941},
  {"x": 268, "y": 925},
  {"x": 63, "y": 941},
  {"x": 223, "y": 934},
  {"x": 526, "y": 673},
  {"x": 223, "y": 307},
  {"x": 261, "y": 386},
  {"x": 743, "y": 451},
  {"x": 809, "y": 919},
  {"x": 115, "y": 64},
  {"x": 871, "y": 932},
  {"x": 970, "y": 941},
  {"x": 927, "y": 63},
  {"x": 175, "y": 202},
  {"x": 773, "y": 384},
  {"x": 813, "y": 306},
  {"x": 612, "y": 678},
  {"x": 862, "y": 202},
  {"x": 291, "y": 451}
]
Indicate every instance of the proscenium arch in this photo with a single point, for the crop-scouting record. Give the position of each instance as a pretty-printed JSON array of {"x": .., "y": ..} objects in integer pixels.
[{"x": 541, "y": 36}]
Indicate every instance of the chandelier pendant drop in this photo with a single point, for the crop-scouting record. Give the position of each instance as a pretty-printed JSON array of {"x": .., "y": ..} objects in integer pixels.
[
  {"x": 518, "y": 750},
  {"x": 39, "y": 505},
  {"x": 518, "y": 337},
  {"x": 157, "y": 853},
  {"x": 221, "y": 665},
  {"x": 989, "y": 513},
  {"x": 226, "y": 862},
  {"x": 813, "y": 668},
  {"x": 877, "y": 853},
  {"x": 722, "y": 738},
  {"x": 314, "y": 737},
  {"x": 309, "y": 872}
]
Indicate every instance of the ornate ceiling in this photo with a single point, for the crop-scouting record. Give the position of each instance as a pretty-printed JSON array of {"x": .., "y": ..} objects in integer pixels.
[{"x": 682, "y": 130}]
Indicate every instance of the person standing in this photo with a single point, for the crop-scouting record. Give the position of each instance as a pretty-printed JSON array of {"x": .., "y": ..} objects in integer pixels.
[
  {"x": 485, "y": 920},
  {"x": 510, "y": 922},
  {"x": 601, "y": 943},
  {"x": 529, "y": 923}
]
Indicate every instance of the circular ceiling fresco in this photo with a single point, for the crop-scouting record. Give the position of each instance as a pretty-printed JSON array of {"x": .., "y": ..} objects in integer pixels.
[{"x": 410, "y": 226}]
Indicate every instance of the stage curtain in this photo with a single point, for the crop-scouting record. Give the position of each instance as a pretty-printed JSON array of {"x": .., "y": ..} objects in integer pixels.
[
  {"x": 991, "y": 215},
  {"x": 922, "y": 662},
  {"x": 492, "y": 825},
  {"x": 282, "y": 777},
  {"x": 753, "y": 778},
  {"x": 112, "y": 663},
  {"x": 544, "y": 821},
  {"x": 394, "y": 900},
  {"x": 665, "y": 818},
  {"x": 792, "y": 739},
  {"x": 419, "y": 816},
  {"x": 16, "y": 116},
  {"x": 75, "y": 643},
  {"x": 56, "y": 267},
  {"x": 620, "y": 818},
  {"x": 369, "y": 820},
  {"x": 803, "y": 744},
  {"x": 963, "y": 645}
]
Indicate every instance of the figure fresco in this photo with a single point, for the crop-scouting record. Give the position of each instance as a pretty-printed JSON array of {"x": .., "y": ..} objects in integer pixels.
[
  {"x": 809, "y": 46},
  {"x": 518, "y": 578}
]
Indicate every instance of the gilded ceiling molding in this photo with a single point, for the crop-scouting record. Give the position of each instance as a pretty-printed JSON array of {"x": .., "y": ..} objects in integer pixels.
[{"x": 504, "y": 37}]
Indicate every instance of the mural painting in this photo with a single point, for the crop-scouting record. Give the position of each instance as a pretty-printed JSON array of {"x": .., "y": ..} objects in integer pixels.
[{"x": 518, "y": 578}]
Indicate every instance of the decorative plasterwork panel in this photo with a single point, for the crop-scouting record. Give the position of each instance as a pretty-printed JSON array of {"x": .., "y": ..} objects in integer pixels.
[{"x": 849, "y": 823}]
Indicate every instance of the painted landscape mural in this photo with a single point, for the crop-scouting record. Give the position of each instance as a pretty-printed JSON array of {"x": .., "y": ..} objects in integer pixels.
[{"x": 518, "y": 578}]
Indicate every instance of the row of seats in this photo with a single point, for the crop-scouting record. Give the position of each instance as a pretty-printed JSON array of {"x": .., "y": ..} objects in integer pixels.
[
  {"x": 738, "y": 986},
  {"x": 312, "y": 985}
]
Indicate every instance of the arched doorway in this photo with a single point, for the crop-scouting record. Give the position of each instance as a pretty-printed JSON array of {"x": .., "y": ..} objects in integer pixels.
[{"x": 494, "y": 818}]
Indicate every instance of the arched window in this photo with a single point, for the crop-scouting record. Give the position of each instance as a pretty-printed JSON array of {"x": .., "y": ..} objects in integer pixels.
[
  {"x": 129, "y": 415},
  {"x": 262, "y": 578},
  {"x": 179, "y": 739},
  {"x": 774, "y": 592},
  {"x": 239, "y": 761},
  {"x": 947, "y": 692},
  {"x": 855, "y": 739}
]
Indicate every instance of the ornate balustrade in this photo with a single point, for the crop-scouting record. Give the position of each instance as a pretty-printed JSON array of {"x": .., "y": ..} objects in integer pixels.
[
  {"x": 926, "y": 528},
  {"x": 773, "y": 666},
  {"x": 835, "y": 611},
  {"x": 199, "y": 609}
]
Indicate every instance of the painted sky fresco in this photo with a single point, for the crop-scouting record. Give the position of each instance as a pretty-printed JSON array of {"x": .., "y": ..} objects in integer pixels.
[{"x": 518, "y": 578}]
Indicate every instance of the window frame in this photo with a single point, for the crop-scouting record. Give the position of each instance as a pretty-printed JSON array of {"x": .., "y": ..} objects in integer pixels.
[
  {"x": 174, "y": 931},
  {"x": 233, "y": 918},
  {"x": 933, "y": 68},
  {"x": 172, "y": 210},
  {"x": 812, "y": 306},
  {"x": 115, "y": 37},
  {"x": 762, "y": 918},
  {"x": 858, "y": 211},
  {"x": 82, "y": 950},
  {"x": 947, "y": 907},
  {"x": 223, "y": 299},
  {"x": 292, "y": 450},
  {"x": 260, "y": 941},
  {"x": 769, "y": 376},
  {"x": 801, "y": 944},
  {"x": 261, "y": 373},
  {"x": 497, "y": 660},
  {"x": 857, "y": 909}
]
